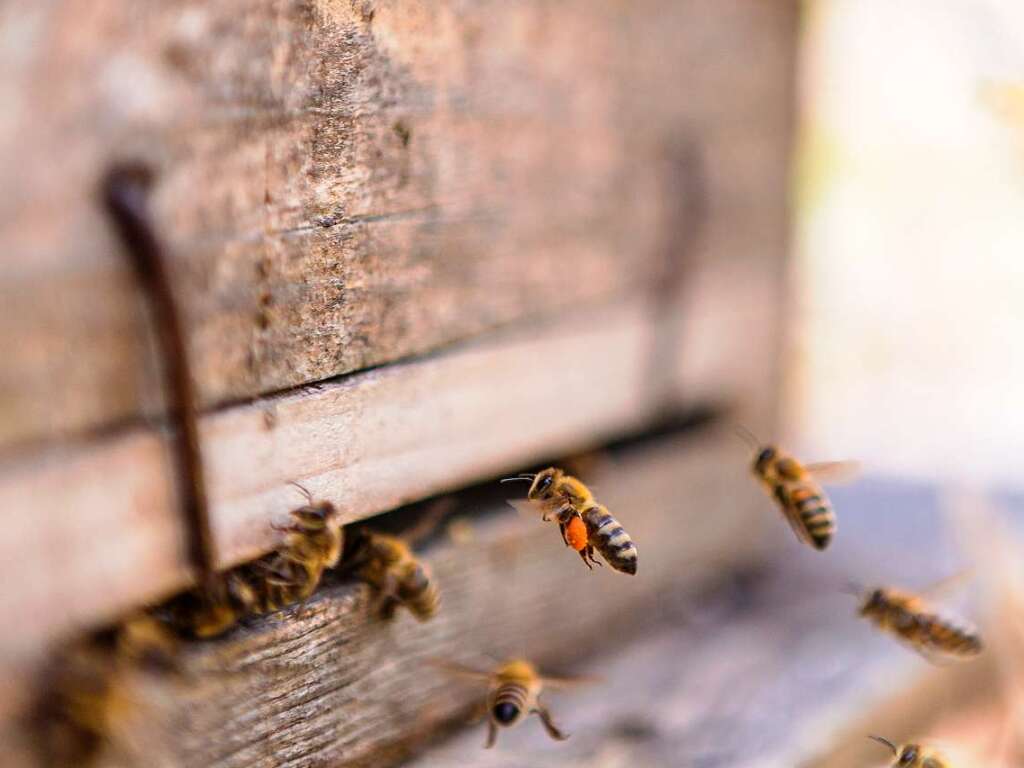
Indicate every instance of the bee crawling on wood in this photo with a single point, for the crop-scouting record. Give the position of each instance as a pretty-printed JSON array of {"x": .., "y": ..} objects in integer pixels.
[
  {"x": 513, "y": 692},
  {"x": 585, "y": 525},
  {"x": 313, "y": 543},
  {"x": 388, "y": 565},
  {"x": 94, "y": 687},
  {"x": 909, "y": 618},
  {"x": 913, "y": 755},
  {"x": 795, "y": 488}
]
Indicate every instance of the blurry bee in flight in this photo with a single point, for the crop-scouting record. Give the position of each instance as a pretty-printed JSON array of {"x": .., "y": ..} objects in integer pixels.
[
  {"x": 585, "y": 525},
  {"x": 95, "y": 686},
  {"x": 313, "y": 542},
  {"x": 913, "y": 755},
  {"x": 795, "y": 488},
  {"x": 908, "y": 618},
  {"x": 513, "y": 692}
]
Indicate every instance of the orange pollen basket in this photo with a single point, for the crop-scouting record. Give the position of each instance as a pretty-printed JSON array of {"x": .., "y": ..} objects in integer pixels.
[{"x": 576, "y": 534}]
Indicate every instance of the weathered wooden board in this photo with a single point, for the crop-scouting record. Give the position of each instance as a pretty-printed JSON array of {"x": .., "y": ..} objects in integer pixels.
[
  {"x": 331, "y": 686},
  {"x": 94, "y": 532},
  {"x": 345, "y": 183}
]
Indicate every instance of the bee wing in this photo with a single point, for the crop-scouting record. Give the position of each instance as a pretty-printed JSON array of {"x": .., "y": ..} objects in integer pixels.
[
  {"x": 947, "y": 584},
  {"x": 458, "y": 670},
  {"x": 834, "y": 471},
  {"x": 526, "y": 507},
  {"x": 565, "y": 683}
]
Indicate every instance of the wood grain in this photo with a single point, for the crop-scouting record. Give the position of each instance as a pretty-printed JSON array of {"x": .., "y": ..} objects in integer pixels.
[
  {"x": 329, "y": 685},
  {"x": 345, "y": 183}
]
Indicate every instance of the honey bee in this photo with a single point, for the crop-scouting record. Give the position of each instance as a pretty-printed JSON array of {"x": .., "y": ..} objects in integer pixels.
[
  {"x": 913, "y": 755},
  {"x": 313, "y": 542},
  {"x": 513, "y": 692},
  {"x": 94, "y": 686},
  {"x": 795, "y": 488},
  {"x": 388, "y": 565},
  {"x": 908, "y": 618},
  {"x": 585, "y": 525}
]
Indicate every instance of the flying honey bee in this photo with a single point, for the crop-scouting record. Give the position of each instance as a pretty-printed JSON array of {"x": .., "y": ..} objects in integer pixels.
[
  {"x": 313, "y": 543},
  {"x": 388, "y": 565},
  {"x": 585, "y": 525},
  {"x": 908, "y": 618},
  {"x": 913, "y": 755},
  {"x": 795, "y": 488},
  {"x": 94, "y": 687},
  {"x": 513, "y": 692}
]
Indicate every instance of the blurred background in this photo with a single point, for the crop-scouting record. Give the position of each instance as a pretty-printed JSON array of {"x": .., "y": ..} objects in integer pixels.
[{"x": 907, "y": 321}]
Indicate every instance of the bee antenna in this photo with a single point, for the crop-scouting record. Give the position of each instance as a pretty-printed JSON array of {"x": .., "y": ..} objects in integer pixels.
[
  {"x": 886, "y": 742},
  {"x": 747, "y": 436},
  {"x": 516, "y": 479},
  {"x": 303, "y": 490}
]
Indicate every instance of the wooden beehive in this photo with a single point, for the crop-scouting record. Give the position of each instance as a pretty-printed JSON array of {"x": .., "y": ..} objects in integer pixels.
[{"x": 417, "y": 245}]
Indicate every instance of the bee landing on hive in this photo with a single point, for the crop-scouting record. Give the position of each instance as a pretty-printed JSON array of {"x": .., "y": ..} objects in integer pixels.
[
  {"x": 398, "y": 578},
  {"x": 586, "y": 526},
  {"x": 313, "y": 543},
  {"x": 388, "y": 565}
]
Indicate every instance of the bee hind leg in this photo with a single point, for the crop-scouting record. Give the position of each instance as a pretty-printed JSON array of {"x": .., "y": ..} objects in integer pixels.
[
  {"x": 492, "y": 734},
  {"x": 549, "y": 725},
  {"x": 583, "y": 555}
]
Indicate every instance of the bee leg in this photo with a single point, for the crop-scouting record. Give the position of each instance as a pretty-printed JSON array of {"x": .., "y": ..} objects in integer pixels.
[
  {"x": 549, "y": 725},
  {"x": 558, "y": 514},
  {"x": 583, "y": 554},
  {"x": 492, "y": 734}
]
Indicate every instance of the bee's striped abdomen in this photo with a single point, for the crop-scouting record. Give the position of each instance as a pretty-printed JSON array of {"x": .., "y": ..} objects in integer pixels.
[
  {"x": 949, "y": 638},
  {"x": 610, "y": 539},
  {"x": 509, "y": 702},
  {"x": 814, "y": 512}
]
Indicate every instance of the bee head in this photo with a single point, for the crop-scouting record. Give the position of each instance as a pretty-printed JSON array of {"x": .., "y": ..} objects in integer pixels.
[
  {"x": 908, "y": 755},
  {"x": 873, "y": 602},
  {"x": 505, "y": 713},
  {"x": 543, "y": 485},
  {"x": 764, "y": 458}
]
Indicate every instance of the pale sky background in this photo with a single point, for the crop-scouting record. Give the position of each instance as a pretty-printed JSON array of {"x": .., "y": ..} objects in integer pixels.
[{"x": 907, "y": 333}]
